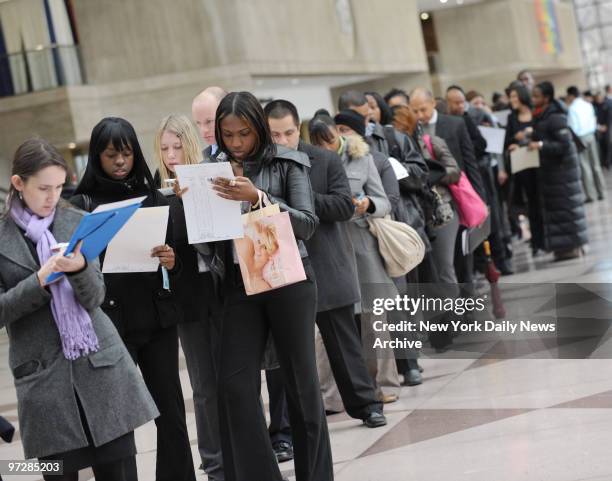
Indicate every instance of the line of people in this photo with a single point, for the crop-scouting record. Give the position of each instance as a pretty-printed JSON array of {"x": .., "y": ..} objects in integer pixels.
[{"x": 75, "y": 344}]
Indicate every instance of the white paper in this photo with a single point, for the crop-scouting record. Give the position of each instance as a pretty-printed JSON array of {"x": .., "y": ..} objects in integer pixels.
[
  {"x": 398, "y": 168},
  {"x": 130, "y": 249},
  {"x": 502, "y": 117},
  {"x": 521, "y": 159},
  {"x": 209, "y": 217},
  {"x": 495, "y": 139},
  {"x": 119, "y": 205}
]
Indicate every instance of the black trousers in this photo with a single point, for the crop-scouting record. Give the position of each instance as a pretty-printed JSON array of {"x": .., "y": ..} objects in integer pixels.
[
  {"x": 280, "y": 426},
  {"x": 345, "y": 353},
  {"x": 156, "y": 352},
  {"x": 530, "y": 184},
  {"x": 289, "y": 314}
]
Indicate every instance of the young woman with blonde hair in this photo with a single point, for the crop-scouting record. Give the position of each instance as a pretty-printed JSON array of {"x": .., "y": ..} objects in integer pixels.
[{"x": 177, "y": 143}]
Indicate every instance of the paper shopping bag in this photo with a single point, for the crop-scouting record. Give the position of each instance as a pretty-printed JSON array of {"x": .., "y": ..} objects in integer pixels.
[{"x": 268, "y": 253}]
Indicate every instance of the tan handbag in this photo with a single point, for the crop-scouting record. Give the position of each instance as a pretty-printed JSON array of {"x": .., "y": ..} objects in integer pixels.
[{"x": 400, "y": 246}]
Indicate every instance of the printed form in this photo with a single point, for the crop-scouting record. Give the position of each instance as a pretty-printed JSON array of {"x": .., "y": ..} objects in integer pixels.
[
  {"x": 209, "y": 217},
  {"x": 130, "y": 249}
]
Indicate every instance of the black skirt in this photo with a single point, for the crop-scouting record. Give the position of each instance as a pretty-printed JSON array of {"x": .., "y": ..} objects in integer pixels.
[{"x": 81, "y": 458}]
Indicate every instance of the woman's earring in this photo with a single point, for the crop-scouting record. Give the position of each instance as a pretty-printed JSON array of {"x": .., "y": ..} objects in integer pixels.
[{"x": 20, "y": 195}]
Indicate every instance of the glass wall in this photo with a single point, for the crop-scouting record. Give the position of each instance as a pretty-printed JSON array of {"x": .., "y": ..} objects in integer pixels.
[
  {"x": 38, "y": 46},
  {"x": 594, "y": 19}
]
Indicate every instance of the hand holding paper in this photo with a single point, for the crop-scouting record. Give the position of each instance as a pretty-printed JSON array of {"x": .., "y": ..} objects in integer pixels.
[
  {"x": 97, "y": 229},
  {"x": 166, "y": 256},
  {"x": 132, "y": 248},
  {"x": 209, "y": 217},
  {"x": 238, "y": 188},
  {"x": 59, "y": 264}
]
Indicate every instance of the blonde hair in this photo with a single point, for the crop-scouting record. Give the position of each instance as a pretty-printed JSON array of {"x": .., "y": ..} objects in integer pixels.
[
  {"x": 183, "y": 128},
  {"x": 269, "y": 238}
]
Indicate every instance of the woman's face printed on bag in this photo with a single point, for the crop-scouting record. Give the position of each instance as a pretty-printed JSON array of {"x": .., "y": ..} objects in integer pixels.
[
  {"x": 117, "y": 164},
  {"x": 255, "y": 259},
  {"x": 238, "y": 136},
  {"x": 171, "y": 150},
  {"x": 41, "y": 191},
  {"x": 260, "y": 256}
]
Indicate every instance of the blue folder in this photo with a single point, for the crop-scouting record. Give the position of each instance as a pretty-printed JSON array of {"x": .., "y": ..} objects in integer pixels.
[{"x": 97, "y": 229}]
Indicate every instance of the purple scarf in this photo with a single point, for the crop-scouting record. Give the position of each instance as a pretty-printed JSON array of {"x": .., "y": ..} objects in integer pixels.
[{"x": 72, "y": 320}]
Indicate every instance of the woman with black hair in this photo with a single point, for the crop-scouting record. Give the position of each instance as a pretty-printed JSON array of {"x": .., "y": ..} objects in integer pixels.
[
  {"x": 142, "y": 305},
  {"x": 564, "y": 221},
  {"x": 525, "y": 183},
  {"x": 381, "y": 112},
  {"x": 288, "y": 313}
]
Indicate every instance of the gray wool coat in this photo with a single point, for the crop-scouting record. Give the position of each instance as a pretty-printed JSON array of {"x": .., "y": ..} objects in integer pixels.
[
  {"x": 364, "y": 179},
  {"x": 112, "y": 392}
]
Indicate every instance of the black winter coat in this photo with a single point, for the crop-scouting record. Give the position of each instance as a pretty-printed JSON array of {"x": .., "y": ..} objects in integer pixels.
[
  {"x": 135, "y": 301},
  {"x": 330, "y": 248},
  {"x": 565, "y": 225}
]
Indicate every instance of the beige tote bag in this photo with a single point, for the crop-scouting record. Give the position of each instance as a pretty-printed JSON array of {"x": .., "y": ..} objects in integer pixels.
[{"x": 400, "y": 245}]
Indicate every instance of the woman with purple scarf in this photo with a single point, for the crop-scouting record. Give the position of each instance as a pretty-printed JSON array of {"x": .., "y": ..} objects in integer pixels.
[{"x": 79, "y": 394}]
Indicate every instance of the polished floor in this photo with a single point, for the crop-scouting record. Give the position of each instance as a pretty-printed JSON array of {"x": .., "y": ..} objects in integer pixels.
[{"x": 471, "y": 419}]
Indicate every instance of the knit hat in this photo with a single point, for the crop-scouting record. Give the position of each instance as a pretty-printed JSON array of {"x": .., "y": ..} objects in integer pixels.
[{"x": 351, "y": 119}]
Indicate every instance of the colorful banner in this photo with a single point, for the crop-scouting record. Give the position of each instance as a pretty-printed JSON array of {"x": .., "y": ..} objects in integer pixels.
[{"x": 548, "y": 26}]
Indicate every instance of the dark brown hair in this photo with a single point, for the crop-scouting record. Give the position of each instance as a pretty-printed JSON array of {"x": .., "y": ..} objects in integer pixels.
[
  {"x": 30, "y": 158},
  {"x": 320, "y": 129},
  {"x": 472, "y": 94}
]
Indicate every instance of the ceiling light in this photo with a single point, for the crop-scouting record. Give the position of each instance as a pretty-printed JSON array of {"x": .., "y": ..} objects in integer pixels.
[{"x": 424, "y": 16}]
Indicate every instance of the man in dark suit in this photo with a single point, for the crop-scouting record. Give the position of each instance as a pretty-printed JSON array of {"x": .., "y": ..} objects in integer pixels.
[
  {"x": 457, "y": 106},
  {"x": 453, "y": 130},
  {"x": 331, "y": 253}
]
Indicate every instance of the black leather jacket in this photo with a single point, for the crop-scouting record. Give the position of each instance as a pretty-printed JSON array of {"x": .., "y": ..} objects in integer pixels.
[{"x": 286, "y": 182}]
